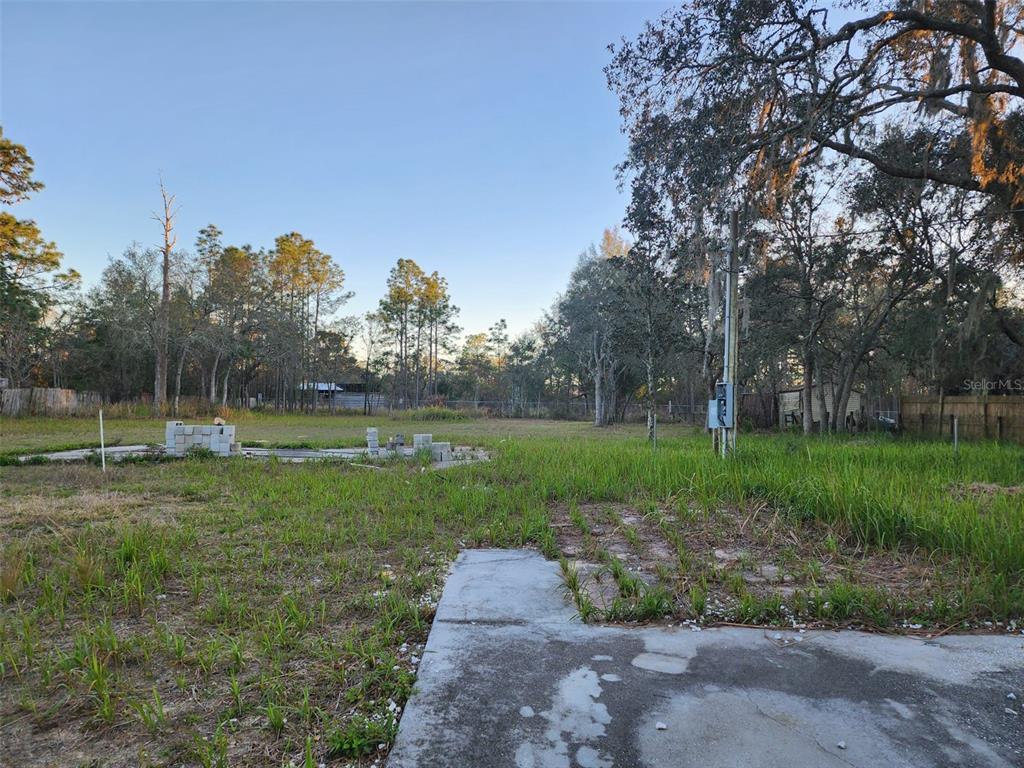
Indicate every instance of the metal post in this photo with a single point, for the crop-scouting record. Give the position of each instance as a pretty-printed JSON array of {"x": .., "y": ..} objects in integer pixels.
[
  {"x": 728, "y": 437},
  {"x": 956, "y": 435},
  {"x": 103, "y": 447}
]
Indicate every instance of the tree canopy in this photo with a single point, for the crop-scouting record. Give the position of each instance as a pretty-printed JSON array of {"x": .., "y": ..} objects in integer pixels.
[{"x": 725, "y": 93}]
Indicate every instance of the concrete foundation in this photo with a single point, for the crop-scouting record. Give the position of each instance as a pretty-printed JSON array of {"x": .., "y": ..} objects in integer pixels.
[
  {"x": 444, "y": 456},
  {"x": 511, "y": 677}
]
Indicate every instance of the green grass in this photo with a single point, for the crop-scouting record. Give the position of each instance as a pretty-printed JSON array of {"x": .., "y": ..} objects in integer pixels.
[
  {"x": 233, "y": 612},
  {"x": 20, "y": 436}
]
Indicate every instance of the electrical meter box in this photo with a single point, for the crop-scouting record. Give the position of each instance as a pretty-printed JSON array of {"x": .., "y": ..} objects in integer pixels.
[{"x": 722, "y": 410}]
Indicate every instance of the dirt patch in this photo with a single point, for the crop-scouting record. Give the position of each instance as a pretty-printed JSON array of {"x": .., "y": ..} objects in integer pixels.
[
  {"x": 985, "y": 491},
  {"x": 743, "y": 564}
]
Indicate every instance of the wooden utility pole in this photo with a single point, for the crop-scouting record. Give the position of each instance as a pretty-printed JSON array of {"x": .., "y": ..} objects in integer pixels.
[{"x": 163, "y": 317}]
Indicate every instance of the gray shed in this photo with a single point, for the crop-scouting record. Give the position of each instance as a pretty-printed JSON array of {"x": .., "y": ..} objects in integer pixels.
[{"x": 791, "y": 409}]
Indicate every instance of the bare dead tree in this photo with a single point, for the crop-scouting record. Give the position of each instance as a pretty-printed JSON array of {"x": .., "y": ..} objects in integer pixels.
[{"x": 166, "y": 221}]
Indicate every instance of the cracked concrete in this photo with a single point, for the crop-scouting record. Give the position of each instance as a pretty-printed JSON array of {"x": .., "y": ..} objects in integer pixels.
[{"x": 510, "y": 677}]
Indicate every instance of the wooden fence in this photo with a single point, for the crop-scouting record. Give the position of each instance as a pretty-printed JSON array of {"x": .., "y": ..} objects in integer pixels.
[
  {"x": 978, "y": 418},
  {"x": 44, "y": 401}
]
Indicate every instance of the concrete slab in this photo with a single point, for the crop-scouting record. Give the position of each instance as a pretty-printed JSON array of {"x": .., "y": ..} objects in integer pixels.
[
  {"x": 510, "y": 677},
  {"x": 114, "y": 453},
  {"x": 462, "y": 456}
]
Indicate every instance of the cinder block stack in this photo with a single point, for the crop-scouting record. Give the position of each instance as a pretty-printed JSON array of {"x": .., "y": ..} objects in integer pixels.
[
  {"x": 171, "y": 435},
  {"x": 220, "y": 439},
  {"x": 420, "y": 442},
  {"x": 441, "y": 451}
]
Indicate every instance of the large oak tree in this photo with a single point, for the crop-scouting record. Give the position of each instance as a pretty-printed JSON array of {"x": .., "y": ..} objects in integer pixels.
[{"x": 720, "y": 91}]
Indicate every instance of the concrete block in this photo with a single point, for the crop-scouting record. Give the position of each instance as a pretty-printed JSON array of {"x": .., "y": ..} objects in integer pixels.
[{"x": 219, "y": 439}]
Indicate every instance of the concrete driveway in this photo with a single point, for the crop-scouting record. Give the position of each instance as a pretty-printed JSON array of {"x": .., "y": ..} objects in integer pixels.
[{"x": 510, "y": 677}]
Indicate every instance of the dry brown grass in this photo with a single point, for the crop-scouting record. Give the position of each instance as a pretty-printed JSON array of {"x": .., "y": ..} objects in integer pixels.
[
  {"x": 12, "y": 570},
  {"x": 63, "y": 513}
]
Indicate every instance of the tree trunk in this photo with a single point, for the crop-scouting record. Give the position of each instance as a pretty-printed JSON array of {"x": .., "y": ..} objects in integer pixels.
[
  {"x": 650, "y": 395},
  {"x": 166, "y": 221},
  {"x": 366, "y": 382},
  {"x": 853, "y": 360},
  {"x": 649, "y": 361},
  {"x": 822, "y": 404},
  {"x": 177, "y": 379},
  {"x": 610, "y": 399},
  {"x": 808, "y": 392},
  {"x": 213, "y": 378},
  {"x": 844, "y": 403}
]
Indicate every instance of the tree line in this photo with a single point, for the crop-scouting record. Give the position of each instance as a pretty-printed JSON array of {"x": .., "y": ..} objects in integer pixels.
[
  {"x": 227, "y": 323},
  {"x": 876, "y": 156},
  {"x": 876, "y": 165}
]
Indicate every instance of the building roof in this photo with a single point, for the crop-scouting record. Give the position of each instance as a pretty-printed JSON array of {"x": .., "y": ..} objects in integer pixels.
[{"x": 322, "y": 386}]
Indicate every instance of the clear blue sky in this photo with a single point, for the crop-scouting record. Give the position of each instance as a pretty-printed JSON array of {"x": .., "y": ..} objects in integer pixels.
[{"x": 478, "y": 139}]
